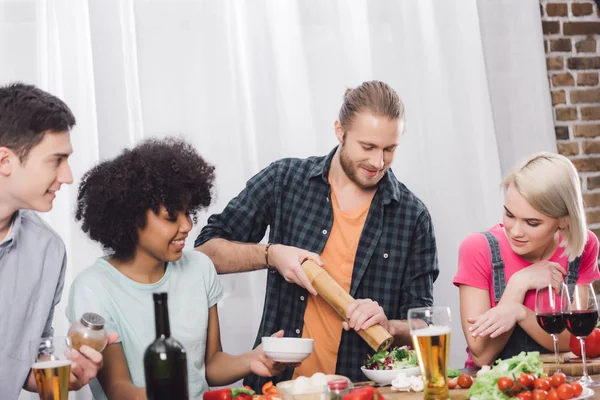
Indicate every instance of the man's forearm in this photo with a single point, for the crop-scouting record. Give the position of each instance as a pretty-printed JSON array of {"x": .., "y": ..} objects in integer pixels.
[
  {"x": 399, "y": 330},
  {"x": 230, "y": 257}
]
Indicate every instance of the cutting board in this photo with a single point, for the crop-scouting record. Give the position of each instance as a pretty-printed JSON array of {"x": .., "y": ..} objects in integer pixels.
[
  {"x": 570, "y": 364},
  {"x": 391, "y": 394}
]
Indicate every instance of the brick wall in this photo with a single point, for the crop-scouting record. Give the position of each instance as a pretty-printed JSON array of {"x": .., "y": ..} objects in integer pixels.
[{"x": 571, "y": 35}]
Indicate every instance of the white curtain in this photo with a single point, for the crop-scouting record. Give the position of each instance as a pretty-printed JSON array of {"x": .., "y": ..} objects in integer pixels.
[{"x": 251, "y": 82}]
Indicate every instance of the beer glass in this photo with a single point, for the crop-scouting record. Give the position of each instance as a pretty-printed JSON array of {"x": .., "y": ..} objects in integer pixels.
[
  {"x": 430, "y": 331},
  {"x": 52, "y": 367}
]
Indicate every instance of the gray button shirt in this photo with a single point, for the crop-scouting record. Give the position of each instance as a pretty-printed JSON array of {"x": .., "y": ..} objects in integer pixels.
[{"x": 32, "y": 270}]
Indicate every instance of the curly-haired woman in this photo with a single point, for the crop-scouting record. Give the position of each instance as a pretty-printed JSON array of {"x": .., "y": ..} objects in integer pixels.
[{"x": 140, "y": 206}]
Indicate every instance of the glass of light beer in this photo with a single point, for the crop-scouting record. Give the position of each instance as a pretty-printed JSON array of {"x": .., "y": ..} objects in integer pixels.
[
  {"x": 430, "y": 331},
  {"x": 52, "y": 367}
]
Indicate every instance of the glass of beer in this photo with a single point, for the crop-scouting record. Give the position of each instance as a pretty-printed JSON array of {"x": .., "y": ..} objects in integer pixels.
[
  {"x": 52, "y": 367},
  {"x": 430, "y": 331}
]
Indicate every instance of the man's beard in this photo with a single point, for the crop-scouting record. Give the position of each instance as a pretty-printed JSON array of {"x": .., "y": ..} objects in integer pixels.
[{"x": 351, "y": 172}]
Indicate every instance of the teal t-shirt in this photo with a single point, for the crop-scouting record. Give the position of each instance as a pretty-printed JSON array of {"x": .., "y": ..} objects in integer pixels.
[{"x": 128, "y": 308}]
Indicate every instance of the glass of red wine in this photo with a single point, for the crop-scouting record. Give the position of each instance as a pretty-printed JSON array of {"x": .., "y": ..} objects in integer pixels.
[
  {"x": 581, "y": 318},
  {"x": 550, "y": 305}
]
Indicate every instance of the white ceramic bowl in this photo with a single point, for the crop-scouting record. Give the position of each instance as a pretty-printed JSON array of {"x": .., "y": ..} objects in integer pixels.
[
  {"x": 288, "y": 392},
  {"x": 386, "y": 376},
  {"x": 287, "y": 349}
]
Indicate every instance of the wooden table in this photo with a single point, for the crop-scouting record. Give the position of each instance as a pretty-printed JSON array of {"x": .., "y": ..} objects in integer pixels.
[{"x": 455, "y": 394}]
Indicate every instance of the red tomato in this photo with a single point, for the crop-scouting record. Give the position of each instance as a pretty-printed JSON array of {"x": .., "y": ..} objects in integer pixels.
[
  {"x": 553, "y": 395},
  {"x": 505, "y": 384},
  {"x": 525, "y": 395},
  {"x": 451, "y": 383},
  {"x": 577, "y": 388},
  {"x": 592, "y": 344},
  {"x": 541, "y": 383},
  {"x": 565, "y": 391},
  {"x": 526, "y": 380},
  {"x": 465, "y": 381},
  {"x": 365, "y": 393},
  {"x": 539, "y": 394},
  {"x": 558, "y": 379}
]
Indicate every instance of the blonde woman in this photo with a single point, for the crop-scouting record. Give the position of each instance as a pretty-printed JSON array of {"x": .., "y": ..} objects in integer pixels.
[{"x": 542, "y": 241}]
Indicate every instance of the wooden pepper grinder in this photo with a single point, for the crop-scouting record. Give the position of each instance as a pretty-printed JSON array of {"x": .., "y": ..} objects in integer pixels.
[{"x": 331, "y": 291}]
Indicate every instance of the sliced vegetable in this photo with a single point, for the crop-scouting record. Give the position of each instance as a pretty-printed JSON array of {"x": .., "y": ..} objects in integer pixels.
[
  {"x": 269, "y": 389},
  {"x": 244, "y": 393}
]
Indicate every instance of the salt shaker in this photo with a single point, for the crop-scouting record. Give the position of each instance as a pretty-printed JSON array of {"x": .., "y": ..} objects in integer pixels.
[
  {"x": 89, "y": 331},
  {"x": 337, "y": 389}
]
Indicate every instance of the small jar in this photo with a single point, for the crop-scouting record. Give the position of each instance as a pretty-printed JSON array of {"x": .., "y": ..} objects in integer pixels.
[
  {"x": 337, "y": 389},
  {"x": 89, "y": 331}
]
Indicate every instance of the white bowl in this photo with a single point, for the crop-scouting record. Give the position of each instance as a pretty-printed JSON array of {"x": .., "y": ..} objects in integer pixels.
[
  {"x": 287, "y": 349},
  {"x": 287, "y": 391},
  {"x": 386, "y": 376}
]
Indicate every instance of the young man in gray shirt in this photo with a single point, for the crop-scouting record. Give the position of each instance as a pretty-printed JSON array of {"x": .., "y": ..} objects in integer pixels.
[{"x": 34, "y": 147}]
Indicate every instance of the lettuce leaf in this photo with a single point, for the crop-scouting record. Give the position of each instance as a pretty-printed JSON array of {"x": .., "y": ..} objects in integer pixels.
[
  {"x": 486, "y": 385},
  {"x": 453, "y": 373}
]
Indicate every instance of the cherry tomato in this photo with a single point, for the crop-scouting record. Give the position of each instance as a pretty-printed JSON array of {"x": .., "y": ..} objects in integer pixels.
[
  {"x": 577, "y": 389},
  {"x": 558, "y": 379},
  {"x": 525, "y": 395},
  {"x": 451, "y": 383},
  {"x": 526, "y": 380},
  {"x": 565, "y": 391},
  {"x": 539, "y": 394},
  {"x": 553, "y": 395},
  {"x": 505, "y": 384},
  {"x": 465, "y": 381},
  {"x": 542, "y": 383}
]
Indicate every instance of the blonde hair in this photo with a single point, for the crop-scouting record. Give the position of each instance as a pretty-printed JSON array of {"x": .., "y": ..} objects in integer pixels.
[
  {"x": 550, "y": 183},
  {"x": 375, "y": 96}
]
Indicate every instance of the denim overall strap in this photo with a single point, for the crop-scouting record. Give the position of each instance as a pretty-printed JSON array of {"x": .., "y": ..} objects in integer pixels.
[
  {"x": 573, "y": 275},
  {"x": 497, "y": 266},
  {"x": 519, "y": 340}
]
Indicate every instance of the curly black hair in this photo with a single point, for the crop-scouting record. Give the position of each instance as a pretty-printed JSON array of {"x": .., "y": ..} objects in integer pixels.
[
  {"x": 27, "y": 113},
  {"x": 115, "y": 196}
]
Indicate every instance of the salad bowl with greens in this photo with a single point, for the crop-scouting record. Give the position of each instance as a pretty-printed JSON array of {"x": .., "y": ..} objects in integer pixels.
[{"x": 384, "y": 366}]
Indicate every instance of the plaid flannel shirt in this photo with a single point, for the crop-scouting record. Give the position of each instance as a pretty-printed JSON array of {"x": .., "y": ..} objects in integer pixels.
[{"x": 396, "y": 261}]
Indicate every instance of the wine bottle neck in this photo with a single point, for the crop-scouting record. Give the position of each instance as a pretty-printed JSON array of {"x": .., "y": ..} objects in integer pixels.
[{"x": 161, "y": 318}]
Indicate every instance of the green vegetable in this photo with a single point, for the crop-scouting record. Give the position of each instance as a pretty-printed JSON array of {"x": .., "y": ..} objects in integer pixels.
[
  {"x": 395, "y": 358},
  {"x": 486, "y": 385},
  {"x": 453, "y": 373}
]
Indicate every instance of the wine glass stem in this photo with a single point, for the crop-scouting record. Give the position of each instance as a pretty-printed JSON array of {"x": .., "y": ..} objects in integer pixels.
[
  {"x": 583, "y": 358},
  {"x": 556, "y": 356}
]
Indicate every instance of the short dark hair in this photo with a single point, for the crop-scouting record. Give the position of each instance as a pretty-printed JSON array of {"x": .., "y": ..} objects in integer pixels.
[
  {"x": 27, "y": 113},
  {"x": 115, "y": 196}
]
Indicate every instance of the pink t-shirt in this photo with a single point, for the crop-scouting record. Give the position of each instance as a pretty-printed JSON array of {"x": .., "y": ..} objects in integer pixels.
[{"x": 475, "y": 263}]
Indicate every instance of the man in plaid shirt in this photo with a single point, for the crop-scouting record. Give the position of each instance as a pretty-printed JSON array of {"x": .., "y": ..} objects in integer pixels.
[{"x": 349, "y": 213}]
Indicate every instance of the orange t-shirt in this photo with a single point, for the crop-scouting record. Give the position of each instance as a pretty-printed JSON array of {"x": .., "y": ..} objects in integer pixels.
[{"x": 321, "y": 322}]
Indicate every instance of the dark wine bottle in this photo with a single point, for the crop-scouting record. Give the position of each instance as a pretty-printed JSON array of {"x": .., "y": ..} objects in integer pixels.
[{"x": 165, "y": 363}]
